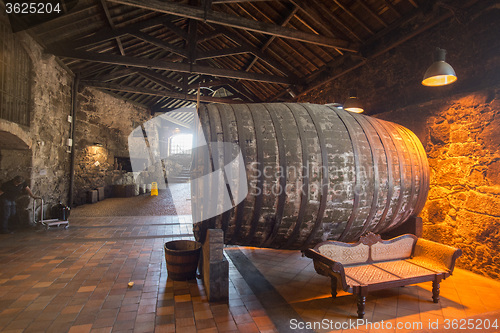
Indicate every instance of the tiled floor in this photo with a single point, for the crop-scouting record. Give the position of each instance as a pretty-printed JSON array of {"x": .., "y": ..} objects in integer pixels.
[{"x": 76, "y": 280}]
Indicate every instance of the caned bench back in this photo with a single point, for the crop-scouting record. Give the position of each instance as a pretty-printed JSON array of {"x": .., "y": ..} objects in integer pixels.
[{"x": 370, "y": 248}]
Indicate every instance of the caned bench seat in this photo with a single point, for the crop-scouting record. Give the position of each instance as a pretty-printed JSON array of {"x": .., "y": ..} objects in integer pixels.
[{"x": 374, "y": 264}]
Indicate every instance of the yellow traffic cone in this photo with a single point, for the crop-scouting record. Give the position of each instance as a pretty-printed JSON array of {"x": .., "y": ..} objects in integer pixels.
[{"x": 154, "y": 188}]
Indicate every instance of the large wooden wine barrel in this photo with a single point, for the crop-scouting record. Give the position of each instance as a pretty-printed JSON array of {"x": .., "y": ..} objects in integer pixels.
[{"x": 314, "y": 173}]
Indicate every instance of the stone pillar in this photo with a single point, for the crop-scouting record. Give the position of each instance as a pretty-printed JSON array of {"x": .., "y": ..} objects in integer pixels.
[{"x": 215, "y": 267}]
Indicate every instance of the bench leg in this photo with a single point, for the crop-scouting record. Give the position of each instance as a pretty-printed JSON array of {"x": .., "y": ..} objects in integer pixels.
[
  {"x": 334, "y": 286},
  {"x": 435, "y": 290},
  {"x": 361, "y": 306}
]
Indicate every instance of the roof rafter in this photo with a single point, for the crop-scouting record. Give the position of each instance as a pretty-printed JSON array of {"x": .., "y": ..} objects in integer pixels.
[
  {"x": 165, "y": 65},
  {"x": 223, "y": 52},
  {"x": 197, "y": 13},
  {"x": 159, "y": 43},
  {"x": 156, "y": 92},
  {"x": 109, "y": 33}
]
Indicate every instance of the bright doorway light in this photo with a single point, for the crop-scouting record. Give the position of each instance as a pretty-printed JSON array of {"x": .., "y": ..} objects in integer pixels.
[{"x": 181, "y": 144}]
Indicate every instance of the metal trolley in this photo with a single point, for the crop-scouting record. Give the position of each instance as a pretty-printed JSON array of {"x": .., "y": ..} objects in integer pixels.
[{"x": 47, "y": 223}]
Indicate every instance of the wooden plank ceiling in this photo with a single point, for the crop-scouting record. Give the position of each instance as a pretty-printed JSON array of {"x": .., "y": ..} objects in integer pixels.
[{"x": 157, "y": 53}]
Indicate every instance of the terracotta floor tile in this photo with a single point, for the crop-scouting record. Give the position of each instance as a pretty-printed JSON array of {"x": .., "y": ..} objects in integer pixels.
[
  {"x": 149, "y": 317},
  {"x": 19, "y": 277},
  {"x": 184, "y": 322},
  {"x": 72, "y": 309},
  {"x": 168, "y": 328},
  {"x": 38, "y": 326},
  {"x": 42, "y": 284},
  {"x": 143, "y": 327},
  {"x": 205, "y": 323},
  {"x": 103, "y": 322},
  {"x": 262, "y": 321},
  {"x": 123, "y": 325},
  {"x": 166, "y": 319},
  {"x": 146, "y": 309},
  {"x": 71, "y": 286},
  {"x": 102, "y": 330},
  {"x": 248, "y": 328},
  {"x": 208, "y": 330},
  {"x": 80, "y": 329},
  {"x": 204, "y": 314},
  {"x": 227, "y": 326},
  {"x": 165, "y": 310},
  {"x": 243, "y": 318},
  {"x": 86, "y": 289},
  {"x": 182, "y": 298}
]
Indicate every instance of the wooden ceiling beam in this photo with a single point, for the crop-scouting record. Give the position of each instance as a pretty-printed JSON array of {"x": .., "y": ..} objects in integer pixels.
[
  {"x": 164, "y": 65},
  {"x": 209, "y": 36},
  {"x": 255, "y": 51},
  {"x": 220, "y": 18},
  {"x": 348, "y": 11},
  {"x": 217, "y": 2},
  {"x": 375, "y": 15},
  {"x": 117, "y": 74},
  {"x": 223, "y": 52},
  {"x": 209, "y": 84},
  {"x": 109, "y": 33},
  {"x": 66, "y": 33},
  {"x": 378, "y": 48},
  {"x": 178, "y": 31},
  {"x": 391, "y": 7},
  {"x": 111, "y": 24},
  {"x": 158, "y": 78},
  {"x": 264, "y": 47},
  {"x": 78, "y": 10},
  {"x": 159, "y": 43},
  {"x": 313, "y": 13},
  {"x": 156, "y": 92}
]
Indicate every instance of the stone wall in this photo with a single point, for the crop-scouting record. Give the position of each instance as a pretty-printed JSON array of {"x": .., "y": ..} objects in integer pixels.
[
  {"x": 103, "y": 124},
  {"x": 460, "y": 136},
  {"x": 459, "y": 126},
  {"x": 393, "y": 79},
  {"x": 49, "y": 128},
  {"x": 46, "y": 164}
]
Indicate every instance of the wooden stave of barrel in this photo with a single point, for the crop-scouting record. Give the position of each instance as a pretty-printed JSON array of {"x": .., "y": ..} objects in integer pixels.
[{"x": 358, "y": 193}]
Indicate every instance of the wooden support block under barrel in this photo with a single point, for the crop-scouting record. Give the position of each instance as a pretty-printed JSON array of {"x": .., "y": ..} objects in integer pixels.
[
  {"x": 100, "y": 193},
  {"x": 92, "y": 196},
  {"x": 214, "y": 266},
  {"x": 314, "y": 173}
]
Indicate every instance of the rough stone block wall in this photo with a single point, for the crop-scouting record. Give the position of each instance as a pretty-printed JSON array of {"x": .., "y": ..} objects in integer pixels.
[
  {"x": 460, "y": 136},
  {"x": 50, "y": 127},
  {"x": 103, "y": 123},
  {"x": 459, "y": 126},
  {"x": 46, "y": 165}
]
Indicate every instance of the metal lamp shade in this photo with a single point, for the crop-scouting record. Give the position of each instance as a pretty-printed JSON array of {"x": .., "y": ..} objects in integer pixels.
[
  {"x": 440, "y": 73},
  {"x": 352, "y": 104}
]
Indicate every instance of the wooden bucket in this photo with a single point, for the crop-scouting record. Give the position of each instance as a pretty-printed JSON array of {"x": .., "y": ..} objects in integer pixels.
[{"x": 182, "y": 258}]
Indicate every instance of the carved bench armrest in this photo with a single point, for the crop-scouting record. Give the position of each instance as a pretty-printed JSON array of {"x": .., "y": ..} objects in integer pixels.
[
  {"x": 328, "y": 267},
  {"x": 438, "y": 255}
]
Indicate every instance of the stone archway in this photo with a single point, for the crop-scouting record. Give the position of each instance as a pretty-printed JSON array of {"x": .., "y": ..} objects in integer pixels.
[
  {"x": 13, "y": 136},
  {"x": 16, "y": 158}
]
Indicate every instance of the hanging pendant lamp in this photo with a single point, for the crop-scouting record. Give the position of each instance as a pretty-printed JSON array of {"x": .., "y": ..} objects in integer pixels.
[
  {"x": 352, "y": 103},
  {"x": 440, "y": 73}
]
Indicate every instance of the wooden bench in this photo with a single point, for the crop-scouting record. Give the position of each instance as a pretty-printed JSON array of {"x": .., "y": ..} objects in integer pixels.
[{"x": 374, "y": 264}]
